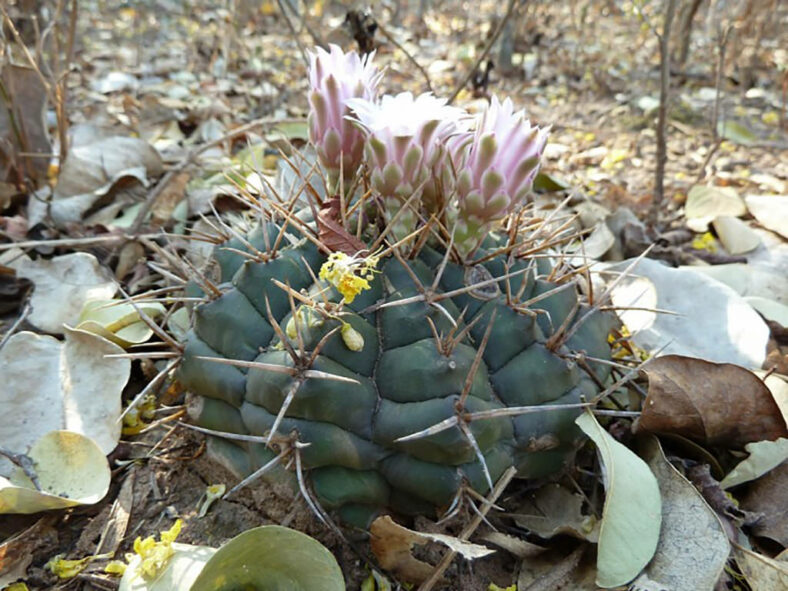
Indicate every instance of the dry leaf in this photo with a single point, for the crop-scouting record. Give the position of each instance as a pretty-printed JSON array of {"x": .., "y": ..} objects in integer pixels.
[
  {"x": 63, "y": 285},
  {"x": 553, "y": 510},
  {"x": 516, "y": 546},
  {"x": 51, "y": 385},
  {"x": 331, "y": 231},
  {"x": 119, "y": 515},
  {"x": 713, "y": 403},
  {"x": 771, "y": 211},
  {"x": 693, "y": 547},
  {"x": 71, "y": 470},
  {"x": 16, "y": 553},
  {"x": 767, "y": 496},
  {"x": 91, "y": 171},
  {"x": 22, "y": 125},
  {"x": 762, "y": 573},
  {"x": 168, "y": 199},
  {"x": 570, "y": 573},
  {"x": 391, "y": 543}
]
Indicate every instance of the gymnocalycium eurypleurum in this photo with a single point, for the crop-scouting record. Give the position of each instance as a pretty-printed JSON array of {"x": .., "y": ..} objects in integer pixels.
[{"x": 402, "y": 328}]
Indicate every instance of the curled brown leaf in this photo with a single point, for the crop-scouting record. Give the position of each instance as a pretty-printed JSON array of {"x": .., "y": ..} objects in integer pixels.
[
  {"x": 712, "y": 403},
  {"x": 331, "y": 231}
]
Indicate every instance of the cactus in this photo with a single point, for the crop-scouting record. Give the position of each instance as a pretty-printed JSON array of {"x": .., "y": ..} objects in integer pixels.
[{"x": 393, "y": 373}]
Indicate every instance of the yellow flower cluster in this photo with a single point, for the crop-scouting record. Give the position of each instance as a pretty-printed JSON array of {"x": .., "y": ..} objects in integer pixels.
[
  {"x": 349, "y": 274},
  {"x": 705, "y": 241},
  {"x": 155, "y": 554}
]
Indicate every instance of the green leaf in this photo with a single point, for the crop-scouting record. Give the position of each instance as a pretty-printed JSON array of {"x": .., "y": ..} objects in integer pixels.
[
  {"x": 764, "y": 455},
  {"x": 632, "y": 513},
  {"x": 547, "y": 183},
  {"x": 274, "y": 558},
  {"x": 735, "y": 132}
]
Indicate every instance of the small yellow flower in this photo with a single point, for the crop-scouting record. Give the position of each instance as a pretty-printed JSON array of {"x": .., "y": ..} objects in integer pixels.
[
  {"x": 66, "y": 569},
  {"x": 622, "y": 346},
  {"x": 705, "y": 242},
  {"x": 349, "y": 274},
  {"x": 155, "y": 554},
  {"x": 115, "y": 567}
]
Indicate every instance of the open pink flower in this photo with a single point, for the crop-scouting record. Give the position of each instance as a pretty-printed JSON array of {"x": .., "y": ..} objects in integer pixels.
[
  {"x": 406, "y": 147},
  {"x": 497, "y": 171},
  {"x": 334, "y": 78}
]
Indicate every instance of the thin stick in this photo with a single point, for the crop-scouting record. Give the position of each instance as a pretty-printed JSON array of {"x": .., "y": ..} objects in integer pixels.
[
  {"x": 410, "y": 58},
  {"x": 503, "y": 481},
  {"x": 17, "y": 323},
  {"x": 257, "y": 473},
  {"x": 293, "y": 32},
  {"x": 485, "y": 53},
  {"x": 74, "y": 241},
  {"x": 662, "y": 114},
  {"x": 189, "y": 158},
  {"x": 24, "y": 462}
]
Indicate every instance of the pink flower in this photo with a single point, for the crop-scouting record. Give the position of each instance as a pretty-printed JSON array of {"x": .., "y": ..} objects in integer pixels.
[
  {"x": 334, "y": 78},
  {"x": 407, "y": 147},
  {"x": 496, "y": 173}
]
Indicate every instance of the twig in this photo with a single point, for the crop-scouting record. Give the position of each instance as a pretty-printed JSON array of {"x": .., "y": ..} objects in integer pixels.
[
  {"x": 319, "y": 41},
  {"x": 15, "y": 325},
  {"x": 74, "y": 241},
  {"x": 503, "y": 481},
  {"x": 189, "y": 158},
  {"x": 408, "y": 55},
  {"x": 293, "y": 32},
  {"x": 662, "y": 116},
  {"x": 483, "y": 55},
  {"x": 24, "y": 462},
  {"x": 715, "y": 117}
]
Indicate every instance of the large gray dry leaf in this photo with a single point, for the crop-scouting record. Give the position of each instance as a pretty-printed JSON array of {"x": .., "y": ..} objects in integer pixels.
[
  {"x": 706, "y": 203},
  {"x": 713, "y": 322},
  {"x": 692, "y": 548},
  {"x": 50, "y": 385},
  {"x": 91, "y": 171},
  {"x": 62, "y": 287},
  {"x": 771, "y": 211}
]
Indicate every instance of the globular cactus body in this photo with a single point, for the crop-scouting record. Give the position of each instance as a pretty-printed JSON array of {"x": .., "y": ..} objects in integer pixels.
[
  {"x": 397, "y": 378},
  {"x": 404, "y": 378}
]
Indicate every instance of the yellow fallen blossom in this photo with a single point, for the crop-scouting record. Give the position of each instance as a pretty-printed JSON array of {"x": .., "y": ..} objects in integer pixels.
[
  {"x": 66, "y": 569},
  {"x": 622, "y": 346},
  {"x": 706, "y": 242},
  {"x": 155, "y": 554},
  {"x": 17, "y": 587},
  {"x": 349, "y": 274},
  {"x": 212, "y": 493},
  {"x": 115, "y": 567}
]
